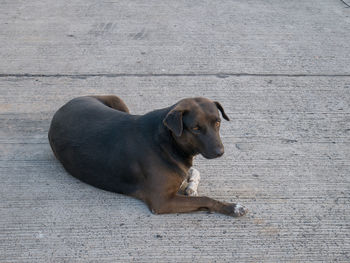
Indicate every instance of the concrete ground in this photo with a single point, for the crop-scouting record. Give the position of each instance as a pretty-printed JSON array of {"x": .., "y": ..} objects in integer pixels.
[{"x": 281, "y": 69}]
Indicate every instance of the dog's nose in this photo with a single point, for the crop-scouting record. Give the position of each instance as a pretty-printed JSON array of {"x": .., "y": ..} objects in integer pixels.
[{"x": 219, "y": 151}]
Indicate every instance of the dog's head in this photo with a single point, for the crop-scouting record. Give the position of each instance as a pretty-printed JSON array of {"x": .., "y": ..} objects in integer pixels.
[{"x": 195, "y": 125}]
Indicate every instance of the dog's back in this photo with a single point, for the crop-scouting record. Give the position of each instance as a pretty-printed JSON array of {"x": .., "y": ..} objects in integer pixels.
[{"x": 84, "y": 133}]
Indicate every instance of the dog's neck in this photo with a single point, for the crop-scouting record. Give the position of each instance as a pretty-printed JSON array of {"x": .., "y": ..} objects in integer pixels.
[
  {"x": 179, "y": 153},
  {"x": 162, "y": 136},
  {"x": 168, "y": 144}
]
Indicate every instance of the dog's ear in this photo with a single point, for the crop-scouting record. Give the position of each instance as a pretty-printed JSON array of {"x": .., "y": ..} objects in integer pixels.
[
  {"x": 173, "y": 121},
  {"x": 218, "y": 105}
]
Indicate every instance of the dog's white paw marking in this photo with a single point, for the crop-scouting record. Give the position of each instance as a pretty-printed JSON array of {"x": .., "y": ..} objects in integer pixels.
[
  {"x": 191, "y": 189},
  {"x": 193, "y": 175},
  {"x": 193, "y": 182},
  {"x": 240, "y": 210}
]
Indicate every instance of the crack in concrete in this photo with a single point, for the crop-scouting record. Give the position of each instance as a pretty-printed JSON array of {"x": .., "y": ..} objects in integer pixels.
[{"x": 116, "y": 75}]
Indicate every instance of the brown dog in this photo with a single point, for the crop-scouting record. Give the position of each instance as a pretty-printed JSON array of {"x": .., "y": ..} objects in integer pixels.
[{"x": 144, "y": 156}]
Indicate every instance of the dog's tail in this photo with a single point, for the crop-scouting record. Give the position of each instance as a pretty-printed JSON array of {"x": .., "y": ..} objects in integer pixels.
[{"x": 113, "y": 102}]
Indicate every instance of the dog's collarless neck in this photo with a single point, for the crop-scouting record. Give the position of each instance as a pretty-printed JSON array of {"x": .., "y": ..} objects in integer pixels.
[{"x": 174, "y": 153}]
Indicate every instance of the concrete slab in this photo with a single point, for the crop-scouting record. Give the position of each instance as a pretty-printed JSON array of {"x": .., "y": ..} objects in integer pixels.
[
  {"x": 287, "y": 145},
  {"x": 287, "y": 159},
  {"x": 168, "y": 37}
]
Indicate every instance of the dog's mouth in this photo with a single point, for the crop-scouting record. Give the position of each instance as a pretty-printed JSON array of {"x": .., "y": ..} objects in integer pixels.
[{"x": 212, "y": 155}]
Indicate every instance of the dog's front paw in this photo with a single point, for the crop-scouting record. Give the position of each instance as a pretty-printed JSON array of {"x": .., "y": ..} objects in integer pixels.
[
  {"x": 194, "y": 174},
  {"x": 240, "y": 210},
  {"x": 235, "y": 210},
  {"x": 193, "y": 182},
  {"x": 191, "y": 191}
]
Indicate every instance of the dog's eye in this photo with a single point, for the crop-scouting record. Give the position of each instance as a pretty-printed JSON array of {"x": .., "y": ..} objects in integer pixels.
[
  {"x": 217, "y": 124},
  {"x": 196, "y": 128}
]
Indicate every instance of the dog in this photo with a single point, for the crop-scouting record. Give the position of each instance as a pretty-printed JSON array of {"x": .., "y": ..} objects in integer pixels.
[{"x": 146, "y": 156}]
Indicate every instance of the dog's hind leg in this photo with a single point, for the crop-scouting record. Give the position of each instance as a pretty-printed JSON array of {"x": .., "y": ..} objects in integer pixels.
[{"x": 113, "y": 102}]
